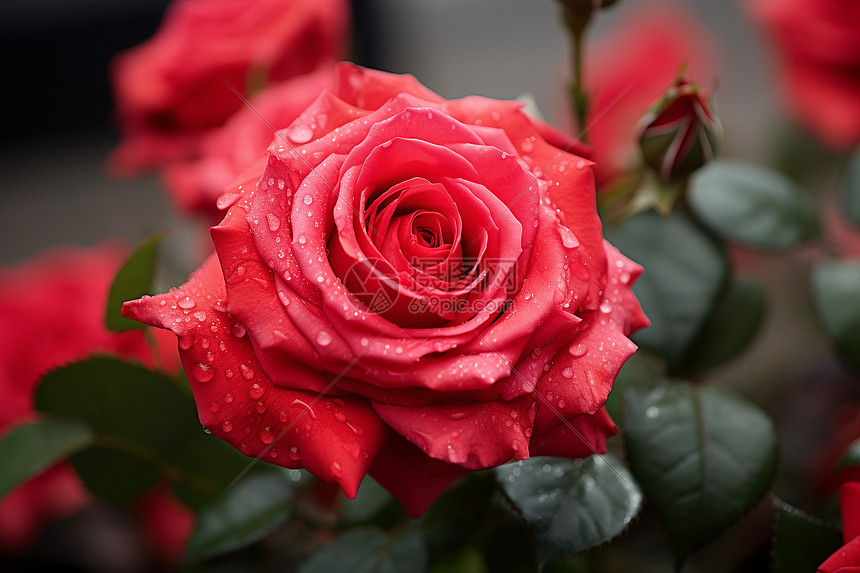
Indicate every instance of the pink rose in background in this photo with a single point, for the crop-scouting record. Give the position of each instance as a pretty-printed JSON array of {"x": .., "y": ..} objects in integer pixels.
[
  {"x": 629, "y": 68},
  {"x": 847, "y": 558},
  {"x": 818, "y": 51},
  {"x": 173, "y": 88},
  {"x": 51, "y": 313},
  {"x": 227, "y": 151},
  {"x": 407, "y": 287}
]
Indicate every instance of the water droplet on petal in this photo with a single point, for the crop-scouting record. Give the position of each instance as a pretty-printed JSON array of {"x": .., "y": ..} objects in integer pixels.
[
  {"x": 300, "y": 133},
  {"x": 238, "y": 330},
  {"x": 606, "y": 307},
  {"x": 336, "y": 469},
  {"x": 247, "y": 372},
  {"x": 273, "y": 221},
  {"x": 227, "y": 200},
  {"x": 255, "y": 391},
  {"x": 186, "y": 303},
  {"x": 578, "y": 349},
  {"x": 227, "y": 426},
  {"x": 202, "y": 372},
  {"x": 266, "y": 435},
  {"x": 294, "y": 453},
  {"x": 308, "y": 200},
  {"x": 324, "y": 338},
  {"x": 567, "y": 373}
]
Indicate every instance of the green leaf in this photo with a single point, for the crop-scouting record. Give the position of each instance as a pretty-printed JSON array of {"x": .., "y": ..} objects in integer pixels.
[
  {"x": 370, "y": 550},
  {"x": 752, "y": 205},
  {"x": 732, "y": 326},
  {"x": 28, "y": 450},
  {"x": 571, "y": 505},
  {"x": 852, "y": 188},
  {"x": 836, "y": 286},
  {"x": 139, "y": 418},
  {"x": 801, "y": 542},
  {"x": 133, "y": 280},
  {"x": 114, "y": 475},
  {"x": 249, "y": 511},
  {"x": 703, "y": 457},
  {"x": 684, "y": 272}
]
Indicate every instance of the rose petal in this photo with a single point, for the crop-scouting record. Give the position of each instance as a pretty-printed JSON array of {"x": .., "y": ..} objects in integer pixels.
[
  {"x": 336, "y": 439},
  {"x": 577, "y": 438},
  {"x": 475, "y": 436},
  {"x": 413, "y": 477}
]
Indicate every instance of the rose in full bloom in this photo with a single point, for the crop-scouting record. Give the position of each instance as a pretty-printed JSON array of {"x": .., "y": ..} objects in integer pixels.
[
  {"x": 407, "y": 287},
  {"x": 51, "y": 311},
  {"x": 628, "y": 70},
  {"x": 196, "y": 184},
  {"x": 847, "y": 558},
  {"x": 818, "y": 51},
  {"x": 176, "y": 86}
]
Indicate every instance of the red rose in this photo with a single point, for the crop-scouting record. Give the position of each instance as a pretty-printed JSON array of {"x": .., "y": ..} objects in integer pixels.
[
  {"x": 847, "y": 558},
  {"x": 174, "y": 87},
  {"x": 226, "y": 151},
  {"x": 408, "y": 287},
  {"x": 818, "y": 46},
  {"x": 51, "y": 311},
  {"x": 628, "y": 70}
]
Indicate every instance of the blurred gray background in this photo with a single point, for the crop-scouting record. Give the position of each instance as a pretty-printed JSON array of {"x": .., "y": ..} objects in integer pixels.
[{"x": 57, "y": 122}]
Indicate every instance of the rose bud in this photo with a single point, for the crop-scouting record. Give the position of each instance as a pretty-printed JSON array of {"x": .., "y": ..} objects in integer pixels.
[
  {"x": 681, "y": 133},
  {"x": 406, "y": 287}
]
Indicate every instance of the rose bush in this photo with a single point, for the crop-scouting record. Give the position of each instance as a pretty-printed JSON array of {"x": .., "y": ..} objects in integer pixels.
[
  {"x": 818, "y": 51},
  {"x": 407, "y": 287},
  {"x": 630, "y": 68},
  {"x": 51, "y": 310},
  {"x": 173, "y": 88}
]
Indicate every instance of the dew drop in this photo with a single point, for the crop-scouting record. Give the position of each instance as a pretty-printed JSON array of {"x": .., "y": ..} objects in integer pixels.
[
  {"x": 282, "y": 296},
  {"x": 336, "y": 469},
  {"x": 578, "y": 349},
  {"x": 568, "y": 239},
  {"x": 606, "y": 307},
  {"x": 324, "y": 338},
  {"x": 567, "y": 373},
  {"x": 308, "y": 200},
  {"x": 247, "y": 372},
  {"x": 185, "y": 341},
  {"x": 186, "y": 303},
  {"x": 255, "y": 391},
  {"x": 294, "y": 453},
  {"x": 300, "y": 133},
  {"x": 228, "y": 398},
  {"x": 260, "y": 407},
  {"x": 202, "y": 372},
  {"x": 238, "y": 330},
  {"x": 227, "y": 200},
  {"x": 227, "y": 426},
  {"x": 273, "y": 221},
  {"x": 652, "y": 411},
  {"x": 266, "y": 435}
]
